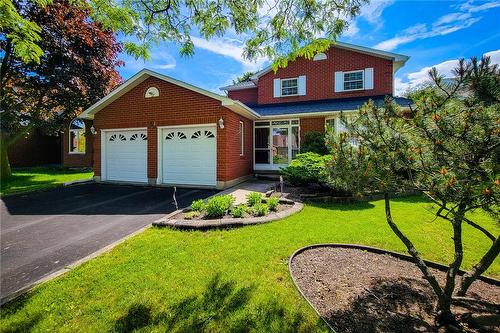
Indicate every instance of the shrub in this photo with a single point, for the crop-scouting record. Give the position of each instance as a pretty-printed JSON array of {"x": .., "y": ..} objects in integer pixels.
[
  {"x": 218, "y": 205},
  {"x": 198, "y": 205},
  {"x": 260, "y": 209},
  {"x": 307, "y": 168},
  {"x": 238, "y": 211},
  {"x": 254, "y": 198},
  {"x": 192, "y": 214},
  {"x": 314, "y": 142},
  {"x": 273, "y": 203}
]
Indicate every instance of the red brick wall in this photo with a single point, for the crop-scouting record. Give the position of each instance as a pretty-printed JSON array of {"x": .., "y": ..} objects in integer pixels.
[
  {"x": 316, "y": 124},
  {"x": 320, "y": 76},
  {"x": 237, "y": 166},
  {"x": 79, "y": 160},
  {"x": 174, "y": 106},
  {"x": 247, "y": 96}
]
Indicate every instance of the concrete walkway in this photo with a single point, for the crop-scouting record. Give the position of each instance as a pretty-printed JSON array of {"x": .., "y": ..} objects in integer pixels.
[{"x": 240, "y": 191}]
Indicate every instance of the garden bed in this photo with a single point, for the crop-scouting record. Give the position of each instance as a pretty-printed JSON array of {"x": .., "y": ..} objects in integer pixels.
[
  {"x": 262, "y": 211},
  {"x": 359, "y": 291}
]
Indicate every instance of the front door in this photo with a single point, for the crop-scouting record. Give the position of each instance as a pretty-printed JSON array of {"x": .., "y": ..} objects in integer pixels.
[
  {"x": 280, "y": 146},
  {"x": 276, "y": 143}
]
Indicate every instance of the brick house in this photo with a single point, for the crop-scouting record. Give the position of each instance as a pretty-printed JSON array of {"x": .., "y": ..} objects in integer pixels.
[{"x": 158, "y": 130}]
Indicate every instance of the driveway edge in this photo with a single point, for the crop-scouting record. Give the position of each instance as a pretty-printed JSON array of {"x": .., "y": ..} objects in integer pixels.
[{"x": 51, "y": 276}]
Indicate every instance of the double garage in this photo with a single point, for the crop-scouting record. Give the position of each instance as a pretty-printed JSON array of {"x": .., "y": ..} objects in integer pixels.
[
  {"x": 157, "y": 130},
  {"x": 187, "y": 155}
]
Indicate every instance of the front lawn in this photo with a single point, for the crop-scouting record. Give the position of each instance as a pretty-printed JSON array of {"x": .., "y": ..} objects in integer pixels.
[
  {"x": 224, "y": 280},
  {"x": 30, "y": 179}
]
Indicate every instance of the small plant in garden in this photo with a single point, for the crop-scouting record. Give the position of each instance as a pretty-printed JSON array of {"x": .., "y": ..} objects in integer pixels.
[
  {"x": 192, "y": 214},
  {"x": 219, "y": 205},
  {"x": 273, "y": 203},
  {"x": 238, "y": 211},
  {"x": 254, "y": 198},
  {"x": 198, "y": 205},
  {"x": 260, "y": 209}
]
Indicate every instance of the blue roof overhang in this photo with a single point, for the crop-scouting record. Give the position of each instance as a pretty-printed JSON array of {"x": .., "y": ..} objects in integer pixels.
[{"x": 322, "y": 106}]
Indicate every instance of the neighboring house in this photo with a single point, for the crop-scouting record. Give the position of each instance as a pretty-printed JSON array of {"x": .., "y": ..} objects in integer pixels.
[
  {"x": 35, "y": 149},
  {"x": 158, "y": 130}
]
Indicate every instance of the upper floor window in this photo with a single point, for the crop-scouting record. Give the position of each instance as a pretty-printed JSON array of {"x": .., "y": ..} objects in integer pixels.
[
  {"x": 77, "y": 136},
  {"x": 289, "y": 87},
  {"x": 353, "y": 80}
]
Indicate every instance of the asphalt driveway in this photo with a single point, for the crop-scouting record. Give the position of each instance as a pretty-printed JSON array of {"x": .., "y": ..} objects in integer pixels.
[{"x": 45, "y": 231}]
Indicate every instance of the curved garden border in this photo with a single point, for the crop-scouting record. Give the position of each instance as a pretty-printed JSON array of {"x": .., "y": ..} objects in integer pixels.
[
  {"x": 397, "y": 255},
  {"x": 198, "y": 224}
]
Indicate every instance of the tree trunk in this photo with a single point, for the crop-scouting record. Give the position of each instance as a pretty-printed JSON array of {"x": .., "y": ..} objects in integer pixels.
[
  {"x": 5, "y": 170},
  {"x": 445, "y": 315},
  {"x": 413, "y": 251},
  {"x": 480, "y": 267}
]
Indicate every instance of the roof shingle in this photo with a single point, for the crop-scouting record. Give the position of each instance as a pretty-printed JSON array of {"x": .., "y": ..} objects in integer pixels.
[{"x": 330, "y": 105}]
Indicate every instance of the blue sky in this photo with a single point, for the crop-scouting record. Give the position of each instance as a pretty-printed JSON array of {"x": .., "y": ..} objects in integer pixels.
[{"x": 432, "y": 33}]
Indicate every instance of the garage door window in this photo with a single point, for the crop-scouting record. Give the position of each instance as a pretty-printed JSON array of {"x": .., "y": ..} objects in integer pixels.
[
  {"x": 138, "y": 137},
  {"x": 77, "y": 137}
]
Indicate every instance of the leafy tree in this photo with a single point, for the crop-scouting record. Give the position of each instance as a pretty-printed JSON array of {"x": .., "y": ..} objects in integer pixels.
[
  {"x": 446, "y": 146},
  {"x": 280, "y": 30},
  {"x": 76, "y": 69},
  {"x": 243, "y": 78}
]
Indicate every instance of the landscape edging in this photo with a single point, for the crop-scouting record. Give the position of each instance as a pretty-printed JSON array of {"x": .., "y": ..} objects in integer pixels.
[
  {"x": 228, "y": 222},
  {"x": 376, "y": 250}
]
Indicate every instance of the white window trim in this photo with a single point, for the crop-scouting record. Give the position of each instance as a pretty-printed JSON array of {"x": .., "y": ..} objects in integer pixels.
[
  {"x": 242, "y": 138},
  {"x": 84, "y": 129},
  {"x": 356, "y": 71},
  {"x": 330, "y": 118},
  {"x": 271, "y": 165},
  {"x": 289, "y": 79}
]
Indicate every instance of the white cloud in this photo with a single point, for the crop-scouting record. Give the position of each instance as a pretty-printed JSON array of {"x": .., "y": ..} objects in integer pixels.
[
  {"x": 445, "y": 68},
  {"x": 494, "y": 56},
  {"x": 444, "y": 25},
  {"x": 472, "y": 6},
  {"x": 229, "y": 47},
  {"x": 372, "y": 13},
  {"x": 421, "y": 31},
  {"x": 158, "y": 59}
]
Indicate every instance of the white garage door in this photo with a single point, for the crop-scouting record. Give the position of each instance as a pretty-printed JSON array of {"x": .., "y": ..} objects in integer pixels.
[
  {"x": 189, "y": 155},
  {"x": 126, "y": 156}
]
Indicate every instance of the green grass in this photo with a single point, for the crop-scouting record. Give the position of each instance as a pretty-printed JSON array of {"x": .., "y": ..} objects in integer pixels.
[
  {"x": 31, "y": 179},
  {"x": 223, "y": 280}
]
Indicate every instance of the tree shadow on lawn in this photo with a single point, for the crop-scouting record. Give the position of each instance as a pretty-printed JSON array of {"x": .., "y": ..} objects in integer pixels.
[
  {"x": 342, "y": 206},
  {"x": 405, "y": 305},
  {"x": 22, "y": 182},
  {"x": 221, "y": 305},
  {"x": 28, "y": 322}
]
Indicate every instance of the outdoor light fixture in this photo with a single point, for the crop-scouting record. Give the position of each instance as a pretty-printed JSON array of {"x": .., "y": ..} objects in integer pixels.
[
  {"x": 93, "y": 130},
  {"x": 221, "y": 123}
]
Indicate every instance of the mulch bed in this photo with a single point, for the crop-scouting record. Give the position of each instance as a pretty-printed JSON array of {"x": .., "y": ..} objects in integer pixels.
[
  {"x": 281, "y": 208},
  {"x": 360, "y": 291}
]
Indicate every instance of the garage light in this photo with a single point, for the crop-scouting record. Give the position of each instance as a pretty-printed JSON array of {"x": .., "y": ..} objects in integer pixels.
[
  {"x": 93, "y": 130},
  {"x": 221, "y": 123}
]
